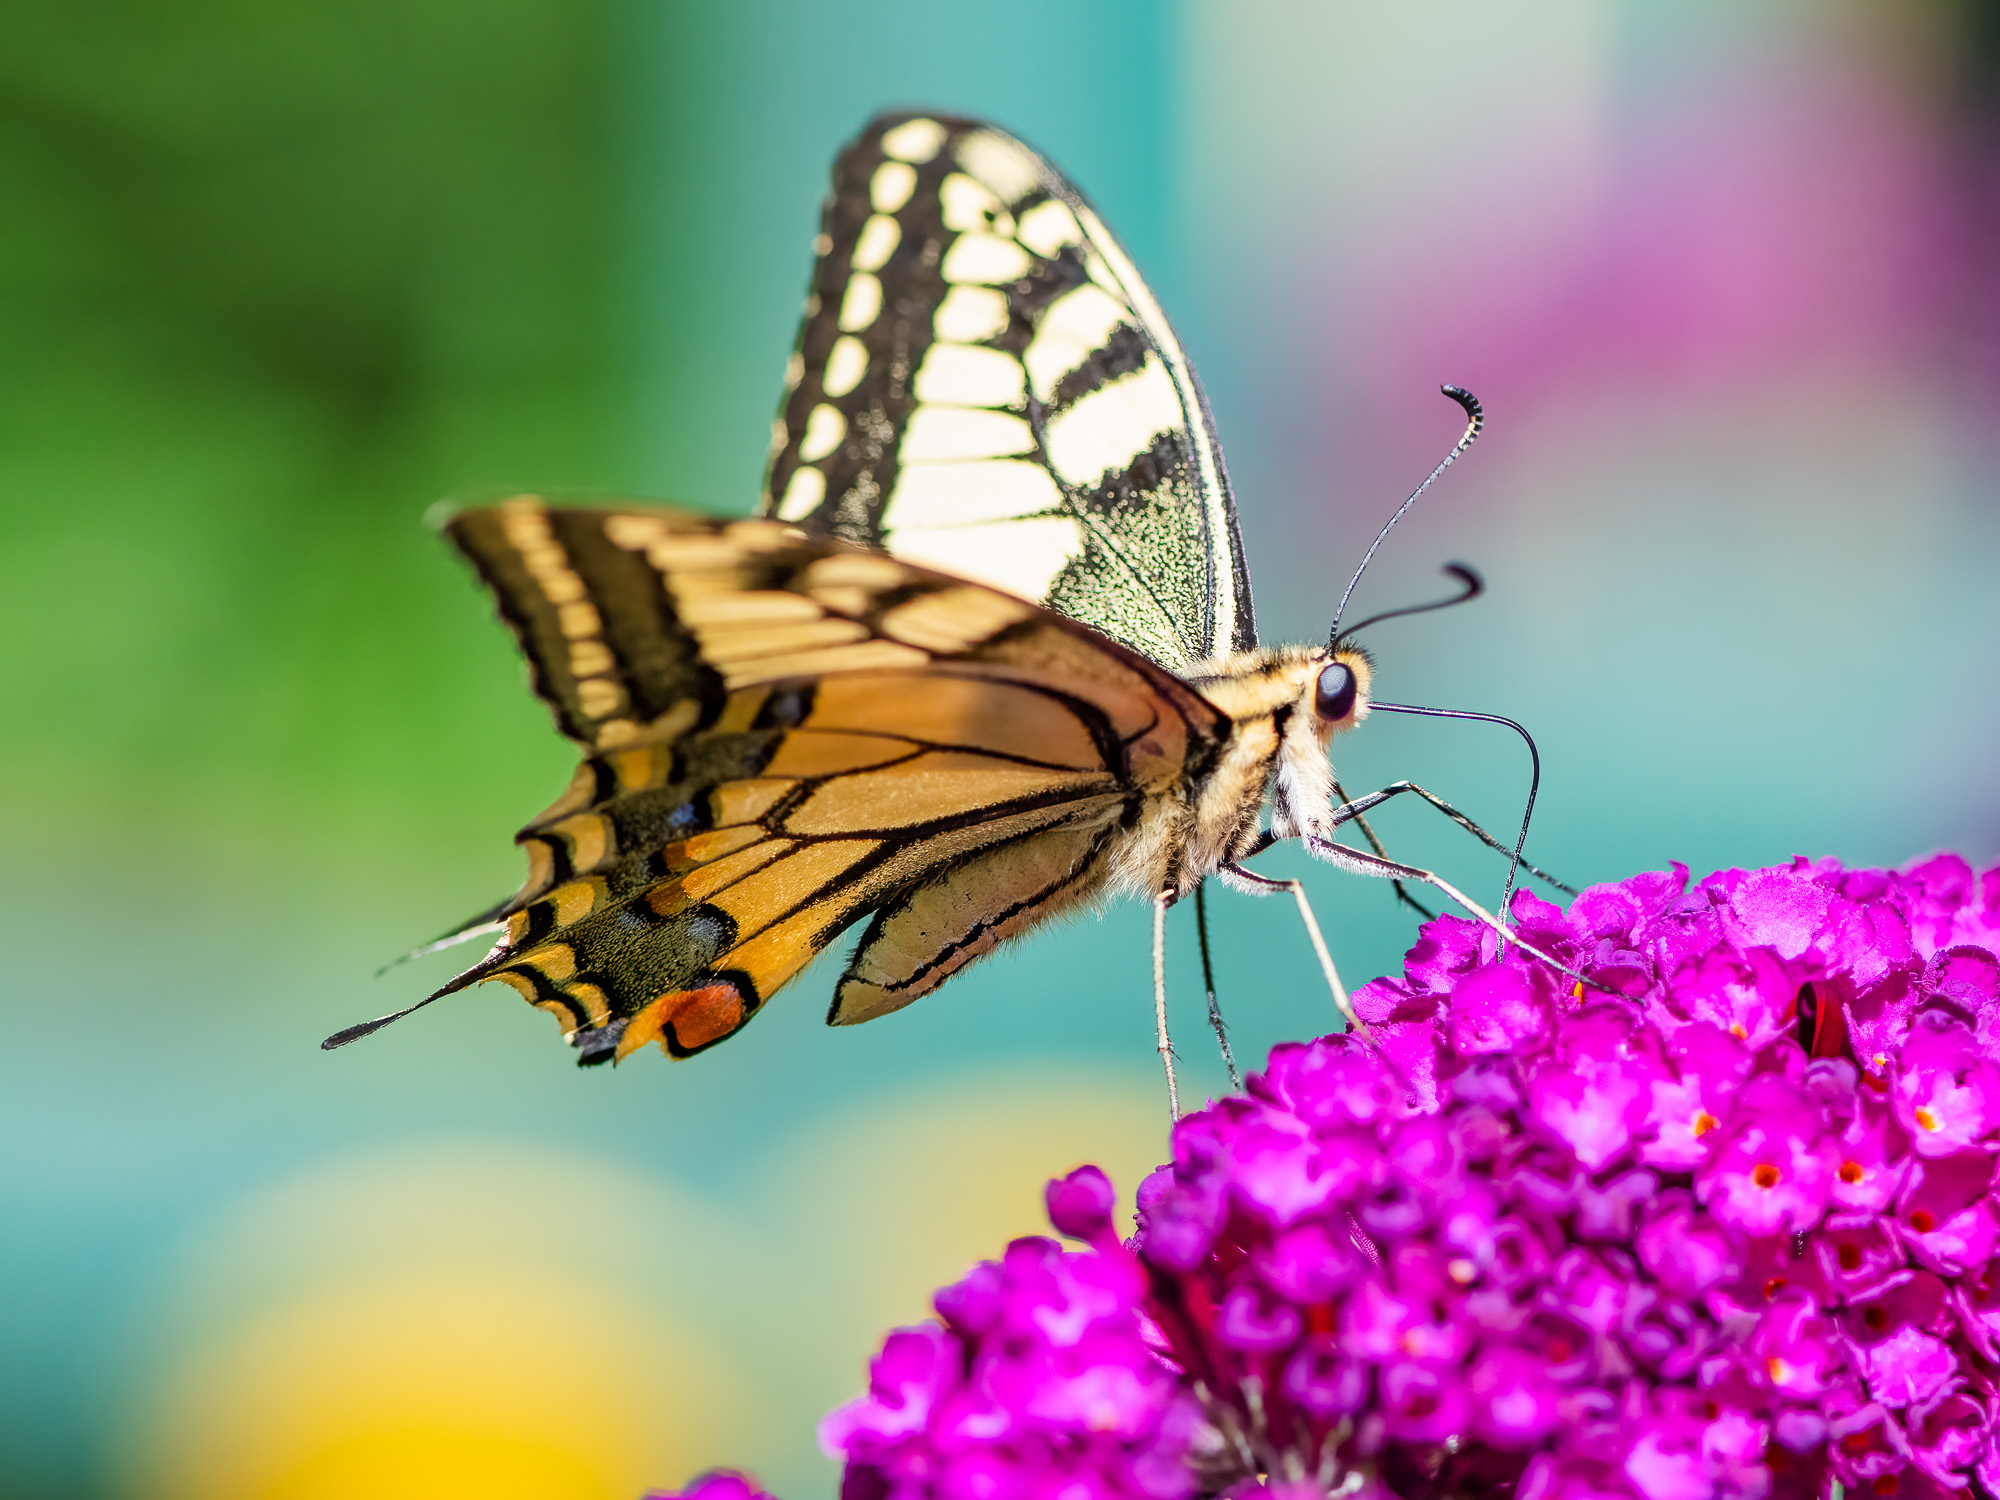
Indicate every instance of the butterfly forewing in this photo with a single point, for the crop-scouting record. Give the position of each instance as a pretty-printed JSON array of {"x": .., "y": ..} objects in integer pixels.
[
  {"x": 782, "y": 735},
  {"x": 983, "y": 384}
]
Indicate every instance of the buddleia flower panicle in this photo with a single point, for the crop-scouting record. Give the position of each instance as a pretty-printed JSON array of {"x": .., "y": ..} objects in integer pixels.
[{"x": 1723, "y": 1227}]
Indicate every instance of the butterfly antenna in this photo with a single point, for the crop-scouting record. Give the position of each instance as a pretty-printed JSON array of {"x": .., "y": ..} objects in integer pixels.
[
  {"x": 1475, "y": 418},
  {"x": 1471, "y": 586}
]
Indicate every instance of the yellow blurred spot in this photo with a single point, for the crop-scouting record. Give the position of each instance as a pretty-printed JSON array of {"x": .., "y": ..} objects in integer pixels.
[
  {"x": 504, "y": 1321},
  {"x": 474, "y": 1323},
  {"x": 491, "y": 1386},
  {"x": 905, "y": 1195}
]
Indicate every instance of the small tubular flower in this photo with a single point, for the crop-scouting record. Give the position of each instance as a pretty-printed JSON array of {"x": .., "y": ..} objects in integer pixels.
[
  {"x": 1722, "y": 1228},
  {"x": 716, "y": 1484}
]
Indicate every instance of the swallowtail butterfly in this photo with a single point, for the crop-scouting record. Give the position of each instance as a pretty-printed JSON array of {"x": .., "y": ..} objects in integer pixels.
[{"x": 985, "y": 652}]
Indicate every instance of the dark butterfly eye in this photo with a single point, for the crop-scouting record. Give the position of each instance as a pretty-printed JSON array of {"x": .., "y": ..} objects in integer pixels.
[{"x": 1334, "y": 697}]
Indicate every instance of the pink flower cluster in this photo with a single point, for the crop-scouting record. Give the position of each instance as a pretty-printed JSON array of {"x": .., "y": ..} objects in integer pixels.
[
  {"x": 1722, "y": 1226},
  {"x": 716, "y": 1484}
]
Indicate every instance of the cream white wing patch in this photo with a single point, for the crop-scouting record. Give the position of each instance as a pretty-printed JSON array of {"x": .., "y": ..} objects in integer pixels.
[
  {"x": 970, "y": 494},
  {"x": 913, "y": 140},
  {"x": 986, "y": 386},
  {"x": 971, "y": 314},
  {"x": 1022, "y": 554},
  {"x": 971, "y": 375},
  {"x": 1076, "y": 325},
  {"x": 1104, "y": 431},
  {"x": 948, "y": 434}
]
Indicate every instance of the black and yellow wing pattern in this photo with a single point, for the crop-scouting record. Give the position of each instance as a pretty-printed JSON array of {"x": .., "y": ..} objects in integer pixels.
[
  {"x": 983, "y": 384},
  {"x": 783, "y": 734}
]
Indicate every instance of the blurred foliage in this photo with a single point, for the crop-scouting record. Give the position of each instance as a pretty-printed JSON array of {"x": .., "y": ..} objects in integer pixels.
[{"x": 274, "y": 279}]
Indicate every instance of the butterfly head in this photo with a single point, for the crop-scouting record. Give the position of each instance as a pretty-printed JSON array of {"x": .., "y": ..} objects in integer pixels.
[
  {"x": 1340, "y": 691},
  {"x": 1336, "y": 694},
  {"x": 1330, "y": 694}
]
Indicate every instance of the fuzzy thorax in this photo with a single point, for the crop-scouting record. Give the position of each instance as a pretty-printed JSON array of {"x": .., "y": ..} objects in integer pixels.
[{"x": 1276, "y": 749}]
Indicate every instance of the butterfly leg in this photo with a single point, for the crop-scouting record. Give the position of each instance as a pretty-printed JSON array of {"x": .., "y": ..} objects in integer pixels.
[
  {"x": 1353, "y": 808},
  {"x": 1208, "y": 980},
  {"x": 1250, "y": 880},
  {"x": 1402, "y": 891},
  {"x": 1160, "y": 904},
  {"x": 1356, "y": 863}
]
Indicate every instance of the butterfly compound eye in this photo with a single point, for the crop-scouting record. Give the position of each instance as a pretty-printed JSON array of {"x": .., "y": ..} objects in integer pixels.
[{"x": 1334, "y": 696}]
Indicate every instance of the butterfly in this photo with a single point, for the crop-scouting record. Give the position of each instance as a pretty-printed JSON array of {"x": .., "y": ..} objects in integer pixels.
[{"x": 985, "y": 653}]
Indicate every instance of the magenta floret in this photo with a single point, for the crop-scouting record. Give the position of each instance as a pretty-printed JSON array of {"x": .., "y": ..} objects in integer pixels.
[
  {"x": 1723, "y": 1228},
  {"x": 716, "y": 1484}
]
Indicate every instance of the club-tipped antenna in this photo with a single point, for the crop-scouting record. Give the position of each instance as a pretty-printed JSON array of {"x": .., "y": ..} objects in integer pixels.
[
  {"x": 1475, "y": 418},
  {"x": 1534, "y": 777},
  {"x": 1471, "y": 586}
]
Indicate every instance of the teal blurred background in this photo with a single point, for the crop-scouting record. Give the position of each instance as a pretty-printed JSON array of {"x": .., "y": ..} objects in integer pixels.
[{"x": 274, "y": 279}]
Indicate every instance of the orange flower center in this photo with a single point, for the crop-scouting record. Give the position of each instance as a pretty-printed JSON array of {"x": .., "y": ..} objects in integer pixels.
[
  {"x": 1764, "y": 1175},
  {"x": 1926, "y": 1119},
  {"x": 1851, "y": 1171},
  {"x": 1704, "y": 1122}
]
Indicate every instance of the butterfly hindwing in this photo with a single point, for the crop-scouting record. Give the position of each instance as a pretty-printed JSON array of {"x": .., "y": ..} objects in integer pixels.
[
  {"x": 928, "y": 934},
  {"x": 983, "y": 384},
  {"x": 791, "y": 734},
  {"x": 603, "y": 651}
]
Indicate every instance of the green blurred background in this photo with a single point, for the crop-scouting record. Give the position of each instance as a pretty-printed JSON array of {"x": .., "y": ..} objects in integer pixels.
[{"x": 274, "y": 279}]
